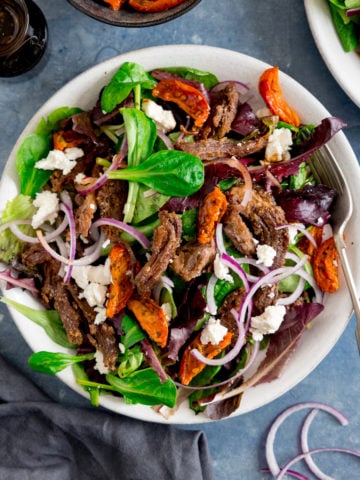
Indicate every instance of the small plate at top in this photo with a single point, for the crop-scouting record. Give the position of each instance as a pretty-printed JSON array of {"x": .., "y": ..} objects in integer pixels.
[
  {"x": 344, "y": 66},
  {"x": 126, "y": 17}
]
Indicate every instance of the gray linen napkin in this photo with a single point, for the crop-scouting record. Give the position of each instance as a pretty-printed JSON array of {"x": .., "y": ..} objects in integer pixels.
[{"x": 43, "y": 440}]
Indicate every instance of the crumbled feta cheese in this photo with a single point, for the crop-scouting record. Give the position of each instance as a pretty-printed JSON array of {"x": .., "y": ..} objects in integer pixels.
[
  {"x": 94, "y": 293},
  {"x": 278, "y": 146},
  {"x": 62, "y": 160},
  {"x": 48, "y": 208},
  {"x": 99, "y": 363},
  {"x": 221, "y": 270},
  {"x": 166, "y": 307},
  {"x": 80, "y": 177},
  {"x": 268, "y": 322},
  {"x": 265, "y": 254},
  {"x": 122, "y": 348},
  {"x": 100, "y": 274},
  {"x": 100, "y": 315},
  {"x": 293, "y": 231},
  {"x": 84, "y": 274},
  {"x": 264, "y": 112},
  {"x": 213, "y": 332},
  {"x": 164, "y": 118}
]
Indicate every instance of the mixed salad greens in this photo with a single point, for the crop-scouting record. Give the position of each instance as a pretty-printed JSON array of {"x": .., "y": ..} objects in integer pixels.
[
  {"x": 174, "y": 236},
  {"x": 346, "y": 18}
]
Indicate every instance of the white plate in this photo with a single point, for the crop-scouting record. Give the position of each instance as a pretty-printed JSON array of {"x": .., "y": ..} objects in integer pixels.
[
  {"x": 326, "y": 330},
  {"x": 344, "y": 66}
]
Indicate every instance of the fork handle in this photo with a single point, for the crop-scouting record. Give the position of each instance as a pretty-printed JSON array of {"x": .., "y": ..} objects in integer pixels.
[{"x": 351, "y": 286}]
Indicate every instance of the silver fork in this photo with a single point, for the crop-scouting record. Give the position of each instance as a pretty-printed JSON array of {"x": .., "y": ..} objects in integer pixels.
[{"x": 327, "y": 171}]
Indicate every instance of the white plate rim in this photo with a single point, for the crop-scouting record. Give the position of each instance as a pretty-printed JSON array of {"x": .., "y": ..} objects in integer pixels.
[
  {"x": 228, "y": 65},
  {"x": 344, "y": 66}
]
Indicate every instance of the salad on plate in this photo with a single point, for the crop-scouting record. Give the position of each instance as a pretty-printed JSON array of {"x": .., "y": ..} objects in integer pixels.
[
  {"x": 346, "y": 18},
  {"x": 175, "y": 236}
]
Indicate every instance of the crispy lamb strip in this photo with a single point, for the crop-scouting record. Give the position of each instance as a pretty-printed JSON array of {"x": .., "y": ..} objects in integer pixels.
[
  {"x": 85, "y": 213},
  {"x": 262, "y": 215},
  {"x": 70, "y": 316},
  {"x": 232, "y": 301},
  {"x": 192, "y": 259},
  {"x": 167, "y": 238},
  {"x": 212, "y": 149},
  {"x": 111, "y": 198},
  {"x": 222, "y": 114},
  {"x": 103, "y": 338}
]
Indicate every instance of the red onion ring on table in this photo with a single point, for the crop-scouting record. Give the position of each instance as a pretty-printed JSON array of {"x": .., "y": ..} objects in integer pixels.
[
  {"x": 270, "y": 439},
  {"x": 302, "y": 456},
  {"x": 305, "y": 446}
]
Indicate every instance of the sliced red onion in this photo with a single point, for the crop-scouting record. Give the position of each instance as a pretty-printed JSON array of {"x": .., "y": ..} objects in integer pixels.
[
  {"x": 305, "y": 446},
  {"x": 87, "y": 260},
  {"x": 28, "y": 239},
  {"x": 7, "y": 225},
  {"x": 270, "y": 278},
  {"x": 223, "y": 396},
  {"x": 51, "y": 251},
  {"x": 26, "y": 283},
  {"x": 219, "y": 238},
  {"x": 294, "y": 295},
  {"x": 302, "y": 456},
  {"x": 210, "y": 297},
  {"x": 252, "y": 262},
  {"x": 123, "y": 226},
  {"x": 350, "y": 12},
  {"x": 319, "y": 295},
  {"x": 236, "y": 268},
  {"x": 248, "y": 184},
  {"x": 67, "y": 209},
  {"x": 241, "y": 87},
  {"x": 233, "y": 353},
  {"x": 167, "y": 281},
  {"x": 291, "y": 473},
  {"x": 301, "y": 229},
  {"x": 162, "y": 135},
  {"x": 118, "y": 158},
  {"x": 270, "y": 440}
]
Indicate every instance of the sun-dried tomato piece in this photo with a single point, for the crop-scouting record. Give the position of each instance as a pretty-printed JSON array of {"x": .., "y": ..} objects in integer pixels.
[
  {"x": 325, "y": 265},
  {"x": 153, "y": 5},
  {"x": 270, "y": 90},
  {"x": 187, "y": 97},
  {"x": 210, "y": 214},
  {"x": 115, "y": 4},
  {"x": 68, "y": 139},
  {"x": 122, "y": 286},
  {"x": 151, "y": 318},
  {"x": 191, "y": 366}
]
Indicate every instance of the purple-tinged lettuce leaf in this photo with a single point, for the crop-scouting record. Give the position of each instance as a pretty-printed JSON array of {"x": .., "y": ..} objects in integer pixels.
[
  {"x": 153, "y": 360},
  {"x": 191, "y": 310},
  {"x": 321, "y": 135},
  {"x": 310, "y": 205},
  {"x": 245, "y": 121},
  {"x": 284, "y": 342}
]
